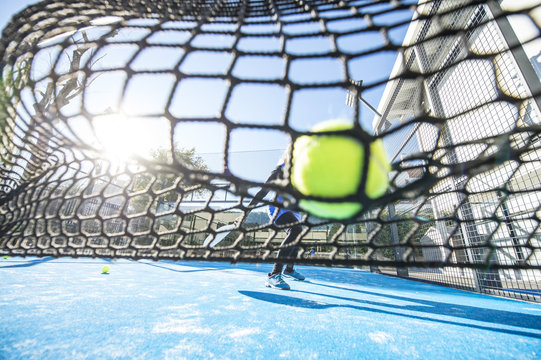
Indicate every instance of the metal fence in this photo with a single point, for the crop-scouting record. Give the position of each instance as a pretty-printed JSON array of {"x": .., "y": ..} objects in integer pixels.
[{"x": 470, "y": 93}]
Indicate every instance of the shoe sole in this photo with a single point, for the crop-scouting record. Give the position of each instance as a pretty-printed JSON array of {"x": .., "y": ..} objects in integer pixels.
[{"x": 276, "y": 287}]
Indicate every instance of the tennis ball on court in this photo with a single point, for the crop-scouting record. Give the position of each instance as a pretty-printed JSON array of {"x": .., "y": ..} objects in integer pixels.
[
  {"x": 331, "y": 166},
  {"x": 105, "y": 269}
]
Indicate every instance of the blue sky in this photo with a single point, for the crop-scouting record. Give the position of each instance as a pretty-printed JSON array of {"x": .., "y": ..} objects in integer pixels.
[{"x": 252, "y": 153}]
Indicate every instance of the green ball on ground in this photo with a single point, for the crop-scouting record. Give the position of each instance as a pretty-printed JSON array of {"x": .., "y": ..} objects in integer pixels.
[
  {"x": 105, "y": 269},
  {"x": 331, "y": 166}
]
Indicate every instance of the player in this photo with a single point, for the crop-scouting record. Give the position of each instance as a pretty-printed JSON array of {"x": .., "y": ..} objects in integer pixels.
[{"x": 275, "y": 278}]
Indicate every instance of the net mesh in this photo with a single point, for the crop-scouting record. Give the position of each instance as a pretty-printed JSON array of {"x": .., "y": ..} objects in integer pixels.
[{"x": 210, "y": 81}]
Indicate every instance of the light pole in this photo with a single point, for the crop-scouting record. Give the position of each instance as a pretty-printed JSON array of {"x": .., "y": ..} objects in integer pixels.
[{"x": 350, "y": 98}]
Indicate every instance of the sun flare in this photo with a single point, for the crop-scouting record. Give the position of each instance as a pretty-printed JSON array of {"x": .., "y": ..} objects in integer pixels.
[{"x": 122, "y": 137}]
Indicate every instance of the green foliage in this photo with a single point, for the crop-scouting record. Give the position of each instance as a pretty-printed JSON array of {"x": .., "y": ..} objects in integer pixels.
[
  {"x": 334, "y": 229},
  {"x": 12, "y": 81},
  {"x": 186, "y": 156}
]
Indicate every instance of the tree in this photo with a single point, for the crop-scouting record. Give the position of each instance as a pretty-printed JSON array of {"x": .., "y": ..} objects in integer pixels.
[
  {"x": 12, "y": 81},
  {"x": 50, "y": 96},
  {"x": 163, "y": 180}
]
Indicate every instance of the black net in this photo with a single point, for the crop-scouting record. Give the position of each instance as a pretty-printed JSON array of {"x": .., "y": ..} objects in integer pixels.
[{"x": 137, "y": 128}]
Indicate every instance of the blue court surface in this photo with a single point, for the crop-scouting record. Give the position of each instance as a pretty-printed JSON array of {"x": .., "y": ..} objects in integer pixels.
[{"x": 67, "y": 309}]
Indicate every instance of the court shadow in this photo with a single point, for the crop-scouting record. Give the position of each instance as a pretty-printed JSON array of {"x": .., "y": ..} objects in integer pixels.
[
  {"x": 27, "y": 263},
  {"x": 361, "y": 278},
  {"x": 425, "y": 309},
  {"x": 501, "y": 317}
]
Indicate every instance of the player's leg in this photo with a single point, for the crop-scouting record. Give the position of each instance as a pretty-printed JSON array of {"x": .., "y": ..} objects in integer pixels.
[
  {"x": 275, "y": 279},
  {"x": 289, "y": 252}
]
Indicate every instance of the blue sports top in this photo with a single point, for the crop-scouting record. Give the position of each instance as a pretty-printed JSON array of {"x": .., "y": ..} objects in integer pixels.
[{"x": 278, "y": 173}]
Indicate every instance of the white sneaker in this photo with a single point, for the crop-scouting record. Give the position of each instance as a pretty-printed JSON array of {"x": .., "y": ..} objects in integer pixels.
[
  {"x": 293, "y": 275},
  {"x": 276, "y": 282}
]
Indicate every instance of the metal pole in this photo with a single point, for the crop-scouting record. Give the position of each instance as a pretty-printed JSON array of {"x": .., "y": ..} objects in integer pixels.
[
  {"x": 369, "y": 106},
  {"x": 398, "y": 251}
]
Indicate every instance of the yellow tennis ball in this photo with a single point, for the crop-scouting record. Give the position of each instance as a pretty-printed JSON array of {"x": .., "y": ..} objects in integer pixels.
[
  {"x": 331, "y": 166},
  {"x": 105, "y": 269}
]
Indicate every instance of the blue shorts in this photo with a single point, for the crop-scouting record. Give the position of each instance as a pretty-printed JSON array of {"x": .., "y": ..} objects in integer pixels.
[{"x": 272, "y": 210}]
